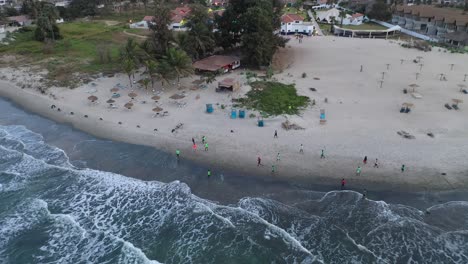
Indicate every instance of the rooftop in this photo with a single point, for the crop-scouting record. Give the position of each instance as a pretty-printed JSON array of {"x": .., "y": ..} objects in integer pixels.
[
  {"x": 288, "y": 18},
  {"x": 215, "y": 62}
]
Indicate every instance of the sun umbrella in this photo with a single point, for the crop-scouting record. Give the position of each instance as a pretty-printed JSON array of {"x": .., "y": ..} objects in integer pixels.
[
  {"x": 408, "y": 105},
  {"x": 457, "y": 101},
  {"x": 132, "y": 95},
  {"x": 461, "y": 86},
  {"x": 157, "y": 109},
  {"x": 128, "y": 105},
  {"x": 177, "y": 96},
  {"x": 92, "y": 98},
  {"x": 114, "y": 90},
  {"x": 414, "y": 86},
  {"x": 110, "y": 101},
  {"x": 155, "y": 98}
]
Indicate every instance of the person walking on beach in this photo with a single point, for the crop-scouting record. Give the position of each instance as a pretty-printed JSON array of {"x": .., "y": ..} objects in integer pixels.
[
  {"x": 376, "y": 163},
  {"x": 364, "y": 194},
  {"x": 358, "y": 171},
  {"x": 301, "y": 150},
  {"x": 278, "y": 157},
  {"x": 322, "y": 156},
  {"x": 194, "y": 147},
  {"x": 276, "y": 134},
  {"x": 343, "y": 183},
  {"x": 361, "y": 68},
  {"x": 259, "y": 161},
  {"x": 209, "y": 173},
  {"x": 177, "y": 152},
  {"x": 403, "y": 168},
  {"x": 365, "y": 160},
  {"x": 203, "y": 139},
  {"x": 206, "y": 146},
  {"x": 193, "y": 141},
  {"x": 273, "y": 168}
]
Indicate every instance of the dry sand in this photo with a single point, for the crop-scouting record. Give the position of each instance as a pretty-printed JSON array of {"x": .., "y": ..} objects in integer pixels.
[{"x": 362, "y": 118}]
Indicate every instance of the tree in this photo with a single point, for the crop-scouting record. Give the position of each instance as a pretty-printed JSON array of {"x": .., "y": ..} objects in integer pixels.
[
  {"x": 129, "y": 68},
  {"x": 179, "y": 62},
  {"x": 380, "y": 11},
  {"x": 47, "y": 29},
  {"x": 129, "y": 51},
  {"x": 82, "y": 8},
  {"x": 146, "y": 82},
  {"x": 161, "y": 35},
  {"x": 342, "y": 16},
  {"x": 10, "y": 11},
  {"x": 151, "y": 69},
  {"x": 200, "y": 33}
]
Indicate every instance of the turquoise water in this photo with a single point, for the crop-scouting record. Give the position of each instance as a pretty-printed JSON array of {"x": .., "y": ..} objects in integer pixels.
[{"x": 61, "y": 206}]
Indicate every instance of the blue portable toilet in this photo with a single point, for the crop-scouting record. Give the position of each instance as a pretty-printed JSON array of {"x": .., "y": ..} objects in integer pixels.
[
  {"x": 241, "y": 113},
  {"x": 260, "y": 123},
  {"x": 233, "y": 114},
  {"x": 209, "y": 108}
]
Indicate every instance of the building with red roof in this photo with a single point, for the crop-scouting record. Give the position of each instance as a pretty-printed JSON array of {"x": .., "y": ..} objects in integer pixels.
[{"x": 294, "y": 24}]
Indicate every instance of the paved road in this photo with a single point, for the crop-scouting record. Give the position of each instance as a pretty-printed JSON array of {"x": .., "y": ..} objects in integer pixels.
[{"x": 312, "y": 18}]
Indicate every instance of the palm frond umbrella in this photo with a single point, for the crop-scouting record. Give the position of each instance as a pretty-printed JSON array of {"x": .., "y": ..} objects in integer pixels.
[
  {"x": 157, "y": 109},
  {"x": 177, "y": 96},
  {"x": 128, "y": 105},
  {"x": 414, "y": 86},
  {"x": 132, "y": 95},
  {"x": 114, "y": 90},
  {"x": 461, "y": 86},
  {"x": 110, "y": 101},
  {"x": 457, "y": 101},
  {"x": 92, "y": 98},
  {"x": 408, "y": 105},
  {"x": 155, "y": 98}
]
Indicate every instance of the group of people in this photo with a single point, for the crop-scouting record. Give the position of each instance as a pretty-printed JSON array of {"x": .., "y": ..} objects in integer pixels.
[{"x": 278, "y": 158}]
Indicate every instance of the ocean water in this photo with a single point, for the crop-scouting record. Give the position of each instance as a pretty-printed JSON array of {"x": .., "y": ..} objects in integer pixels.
[{"x": 60, "y": 205}]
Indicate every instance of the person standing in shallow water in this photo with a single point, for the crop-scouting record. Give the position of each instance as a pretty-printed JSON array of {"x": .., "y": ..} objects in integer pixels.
[
  {"x": 259, "y": 161},
  {"x": 209, "y": 173},
  {"x": 193, "y": 141},
  {"x": 376, "y": 164},
  {"x": 301, "y": 150},
  {"x": 322, "y": 156},
  {"x": 343, "y": 183},
  {"x": 177, "y": 153},
  {"x": 365, "y": 160},
  {"x": 403, "y": 167}
]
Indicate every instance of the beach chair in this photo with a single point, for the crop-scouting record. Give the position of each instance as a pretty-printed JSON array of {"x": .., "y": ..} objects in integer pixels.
[
  {"x": 465, "y": 91},
  {"x": 407, "y": 110},
  {"x": 402, "y": 110},
  {"x": 209, "y": 108},
  {"x": 116, "y": 95},
  {"x": 454, "y": 106},
  {"x": 448, "y": 106},
  {"x": 233, "y": 114}
]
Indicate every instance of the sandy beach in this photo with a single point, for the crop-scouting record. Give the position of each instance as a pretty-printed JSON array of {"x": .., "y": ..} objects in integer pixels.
[{"x": 362, "y": 118}]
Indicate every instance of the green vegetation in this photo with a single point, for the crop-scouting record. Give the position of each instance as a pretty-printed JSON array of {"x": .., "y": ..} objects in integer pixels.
[
  {"x": 274, "y": 98},
  {"x": 365, "y": 26}
]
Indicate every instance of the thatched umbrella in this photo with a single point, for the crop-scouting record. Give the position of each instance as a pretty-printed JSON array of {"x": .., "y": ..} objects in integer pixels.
[
  {"x": 461, "y": 86},
  {"x": 157, "y": 109},
  {"x": 114, "y": 90},
  {"x": 457, "y": 101},
  {"x": 155, "y": 98},
  {"x": 110, "y": 101},
  {"x": 408, "y": 105},
  {"x": 177, "y": 96},
  {"x": 132, "y": 95},
  {"x": 92, "y": 98},
  {"x": 414, "y": 86},
  {"x": 128, "y": 105}
]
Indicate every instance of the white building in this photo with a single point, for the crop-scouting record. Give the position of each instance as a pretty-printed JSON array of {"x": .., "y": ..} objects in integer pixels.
[
  {"x": 178, "y": 18},
  {"x": 293, "y": 23},
  {"x": 334, "y": 15}
]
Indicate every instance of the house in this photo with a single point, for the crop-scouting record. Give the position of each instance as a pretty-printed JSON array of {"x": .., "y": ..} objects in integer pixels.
[
  {"x": 333, "y": 16},
  {"x": 178, "y": 19},
  {"x": 293, "y": 23},
  {"x": 219, "y": 2},
  {"x": 217, "y": 63},
  {"x": 20, "y": 20},
  {"x": 459, "y": 39}
]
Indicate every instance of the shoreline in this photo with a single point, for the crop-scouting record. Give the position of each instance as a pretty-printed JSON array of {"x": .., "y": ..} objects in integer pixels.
[
  {"x": 302, "y": 177},
  {"x": 351, "y": 132}
]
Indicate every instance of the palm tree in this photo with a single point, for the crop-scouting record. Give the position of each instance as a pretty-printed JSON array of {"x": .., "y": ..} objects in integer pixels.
[
  {"x": 179, "y": 62},
  {"x": 164, "y": 72},
  {"x": 146, "y": 82},
  {"x": 129, "y": 51},
  {"x": 342, "y": 16},
  {"x": 151, "y": 70},
  {"x": 129, "y": 67}
]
